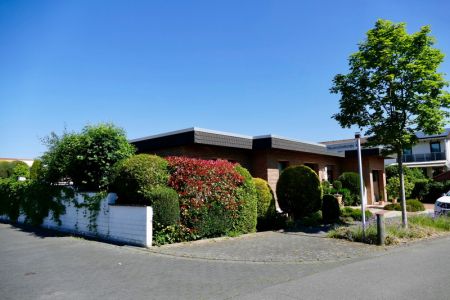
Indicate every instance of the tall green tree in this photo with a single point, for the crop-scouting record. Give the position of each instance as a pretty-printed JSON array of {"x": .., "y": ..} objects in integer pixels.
[{"x": 393, "y": 89}]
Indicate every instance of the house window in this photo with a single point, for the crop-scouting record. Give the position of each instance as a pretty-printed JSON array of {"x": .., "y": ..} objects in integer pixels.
[
  {"x": 282, "y": 165},
  {"x": 435, "y": 147}
]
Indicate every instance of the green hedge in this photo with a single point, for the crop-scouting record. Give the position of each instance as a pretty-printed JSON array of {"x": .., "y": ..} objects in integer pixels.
[
  {"x": 166, "y": 207},
  {"x": 137, "y": 175}
]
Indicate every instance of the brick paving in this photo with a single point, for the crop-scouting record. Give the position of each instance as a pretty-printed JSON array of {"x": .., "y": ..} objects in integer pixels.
[{"x": 265, "y": 247}]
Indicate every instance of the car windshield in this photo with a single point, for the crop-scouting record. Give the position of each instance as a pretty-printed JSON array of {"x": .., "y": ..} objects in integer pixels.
[{"x": 448, "y": 193}]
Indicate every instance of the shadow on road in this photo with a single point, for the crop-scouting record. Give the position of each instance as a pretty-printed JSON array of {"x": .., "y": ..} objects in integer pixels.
[{"x": 50, "y": 233}]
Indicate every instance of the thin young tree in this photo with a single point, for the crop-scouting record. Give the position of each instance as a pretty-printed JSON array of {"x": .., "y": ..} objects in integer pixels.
[{"x": 393, "y": 89}]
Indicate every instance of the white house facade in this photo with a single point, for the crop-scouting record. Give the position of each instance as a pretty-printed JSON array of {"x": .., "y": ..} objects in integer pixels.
[{"x": 431, "y": 154}]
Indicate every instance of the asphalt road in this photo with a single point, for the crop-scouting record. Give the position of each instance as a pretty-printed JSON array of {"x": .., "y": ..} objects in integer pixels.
[{"x": 38, "y": 265}]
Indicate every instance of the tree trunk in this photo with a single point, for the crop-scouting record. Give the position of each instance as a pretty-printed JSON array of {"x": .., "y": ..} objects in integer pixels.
[{"x": 402, "y": 187}]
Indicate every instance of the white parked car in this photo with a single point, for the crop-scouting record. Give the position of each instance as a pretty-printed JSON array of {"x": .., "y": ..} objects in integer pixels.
[{"x": 442, "y": 205}]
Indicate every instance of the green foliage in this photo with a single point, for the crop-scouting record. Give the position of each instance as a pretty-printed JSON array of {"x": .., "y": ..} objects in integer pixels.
[
  {"x": 20, "y": 169},
  {"x": 12, "y": 192},
  {"x": 393, "y": 88},
  {"x": 413, "y": 174},
  {"x": 265, "y": 199},
  {"x": 350, "y": 180},
  {"x": 86, "y": 158},
  {"x": 216, "y": 197},
  {"x": 394, "y": 233},
  {"x": 137, "y": 175},
  {"x": 35, "y": 199},
  {"x": 247, "y": 195},
  {"x": 330, "y": 209},
  {"x": 435, "y": 189},
  {"x": 441, "y": 223},
  {"x": 421, "y": 189},
  {"x": 393, "y": 206},
  {"x": 166, "y": 207},
  {"x": 326, "y": 187},
  {"x": 412, "y": 205},
  {"x": 347, "y": 197},
  {"x": 337, "y": 185},
  {"x": 393, "y": 187},
  {"x": 5, "y": 169},
  {"x": 354, "y": 213},
  {"x": 298, "y": 191},
  {"x": 36, "y": 169},
  {"x": 312, "y": 220}
]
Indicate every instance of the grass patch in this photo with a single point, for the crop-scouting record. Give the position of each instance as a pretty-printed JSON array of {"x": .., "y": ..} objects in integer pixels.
[
  {"x": 419, "y": 227},
  {"x": 441, "y": 223}
]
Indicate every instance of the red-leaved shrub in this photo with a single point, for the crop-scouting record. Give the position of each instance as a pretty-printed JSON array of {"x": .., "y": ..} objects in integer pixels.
[{"x": 208, "y": 190}]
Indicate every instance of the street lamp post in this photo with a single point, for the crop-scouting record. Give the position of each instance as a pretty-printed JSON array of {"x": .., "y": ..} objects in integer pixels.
[{"x": 361, "y": 184}]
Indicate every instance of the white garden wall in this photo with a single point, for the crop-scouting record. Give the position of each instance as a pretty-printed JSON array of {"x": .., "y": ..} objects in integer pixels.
[{"x": 127, "y": 224}]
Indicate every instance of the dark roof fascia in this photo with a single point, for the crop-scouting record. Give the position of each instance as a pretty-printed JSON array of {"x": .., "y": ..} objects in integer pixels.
[
  {"x": 194, "y": 135},
  {"x": 364, "y": 152},
  {"x": 164, "y": 141},
  {"x": 222, "y": 140},
  {"x": 273, "y": 142}
]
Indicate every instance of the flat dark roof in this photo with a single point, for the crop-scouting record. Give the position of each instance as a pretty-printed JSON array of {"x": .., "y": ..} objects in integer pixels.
[{"x": 201, "y": 136}]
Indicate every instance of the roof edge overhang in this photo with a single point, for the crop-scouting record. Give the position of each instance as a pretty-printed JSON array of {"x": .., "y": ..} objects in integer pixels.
[{"x": 195, "y": 135}]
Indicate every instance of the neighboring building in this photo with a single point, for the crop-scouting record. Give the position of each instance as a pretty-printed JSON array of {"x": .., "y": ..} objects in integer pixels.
[
  {"x": 266, "y": 156},
  {"x": 431, "y": 154},
  {"x": 29, "y": 162}
]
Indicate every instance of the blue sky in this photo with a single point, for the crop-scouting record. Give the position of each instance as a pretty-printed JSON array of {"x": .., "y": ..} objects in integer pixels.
[{"x": 248, "y": 67}]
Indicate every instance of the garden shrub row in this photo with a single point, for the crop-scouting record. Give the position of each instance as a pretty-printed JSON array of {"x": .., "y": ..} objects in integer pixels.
[{"x": 412, "y": 205}]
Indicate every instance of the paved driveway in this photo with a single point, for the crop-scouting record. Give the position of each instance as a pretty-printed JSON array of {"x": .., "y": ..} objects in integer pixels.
[
  {"x": 36, "y": 265},
  {"x": 271, "y": 247}
]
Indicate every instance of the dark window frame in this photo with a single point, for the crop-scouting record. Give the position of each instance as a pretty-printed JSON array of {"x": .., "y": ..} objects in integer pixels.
[{"x": 435, "y": 143}]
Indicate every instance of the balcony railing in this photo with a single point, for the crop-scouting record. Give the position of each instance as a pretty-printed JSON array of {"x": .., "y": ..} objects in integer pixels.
[{"x": 424, "y": 157}]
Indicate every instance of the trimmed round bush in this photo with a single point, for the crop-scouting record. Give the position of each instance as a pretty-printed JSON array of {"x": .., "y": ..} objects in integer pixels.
[
  {"x": 415, "y": 205},
  {"x": 412, "y": 205},
  {"x": 133, "y": 177},
  {"x": 264, "y": 198},
  {"x": 267, "y": 213},
  {"x": 337, "y": 185},
  {"x": 330, "y": 209},
  {"x": 298, "y": 191},
  {"x": 166, "y": 208},
  {"x": 393, "y": 206}
]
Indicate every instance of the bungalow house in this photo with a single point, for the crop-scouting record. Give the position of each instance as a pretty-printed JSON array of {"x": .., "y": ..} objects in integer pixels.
[{"x": 266, "y": 156}]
